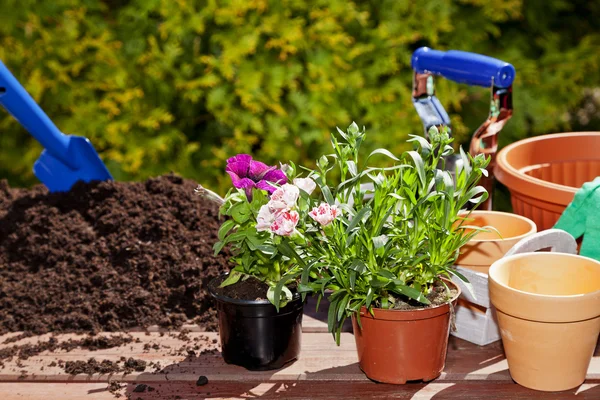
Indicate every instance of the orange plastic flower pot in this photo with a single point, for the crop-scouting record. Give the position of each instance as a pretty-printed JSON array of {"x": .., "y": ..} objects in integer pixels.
[
  {"x": 396, "y": 346},
  {"x": 543, "y": 173}
]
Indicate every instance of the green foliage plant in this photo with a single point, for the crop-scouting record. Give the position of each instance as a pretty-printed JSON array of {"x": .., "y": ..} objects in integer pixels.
[{"x": 393, "y": 239}]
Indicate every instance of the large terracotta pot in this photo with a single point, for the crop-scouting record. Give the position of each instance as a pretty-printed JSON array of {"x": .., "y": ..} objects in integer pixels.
[
  {"x": 548, "y": 309},
  {"x": 543, "y": 173},
  {"x": 486, "y": 247},
  {"x": 396, "y": 346}
]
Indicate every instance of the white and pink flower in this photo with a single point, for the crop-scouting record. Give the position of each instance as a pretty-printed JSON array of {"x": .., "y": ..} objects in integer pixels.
[
  {"x": 324, "y": 214},
  {"x": 284, "y": 198},
  {"x": 306, "y": 184},
  {"x": 285, "y": 223},
  {"x": 264, "y": 219}
]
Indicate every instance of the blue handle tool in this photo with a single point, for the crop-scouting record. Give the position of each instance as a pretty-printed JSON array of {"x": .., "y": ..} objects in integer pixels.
[
  {"x": 66, "y": 158},
  {"x": 464, "y": 67}
]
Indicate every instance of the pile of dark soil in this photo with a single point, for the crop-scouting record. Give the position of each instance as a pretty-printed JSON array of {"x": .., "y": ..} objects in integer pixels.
[{"x": 107, "y": 256}]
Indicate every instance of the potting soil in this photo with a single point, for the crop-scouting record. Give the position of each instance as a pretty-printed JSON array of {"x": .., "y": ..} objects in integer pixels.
[{"x": 107, "y": 256}]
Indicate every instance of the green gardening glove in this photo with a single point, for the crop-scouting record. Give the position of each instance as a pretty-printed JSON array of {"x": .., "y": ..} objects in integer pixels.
[{"x": 582, "y": 217}]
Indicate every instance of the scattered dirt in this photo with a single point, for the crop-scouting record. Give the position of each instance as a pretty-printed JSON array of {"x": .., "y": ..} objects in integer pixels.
[
  {"x": 107, "y": 256},
  {"x": 92, "y": 343},
  {"x": 142, "y": 387},
  {"x": 202, "y": 380},
  {"x": 93, "y": 366},
  {"x": 18, "y": 337},
  {"x": 114, "y": 388},
  {"x": 438, "y": 296}
]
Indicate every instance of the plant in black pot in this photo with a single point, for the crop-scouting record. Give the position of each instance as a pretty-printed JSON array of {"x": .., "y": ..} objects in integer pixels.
[{"x": 259, "y": 307}]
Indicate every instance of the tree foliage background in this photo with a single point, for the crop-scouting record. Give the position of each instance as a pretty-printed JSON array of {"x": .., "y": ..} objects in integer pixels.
[{"x": 181, "y": 85}]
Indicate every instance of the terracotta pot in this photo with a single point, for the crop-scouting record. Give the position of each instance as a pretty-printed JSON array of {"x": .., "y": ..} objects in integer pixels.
[
  {"x": 548, "y": 309},
  {"x": 543, "y": 173},
  {"x": 397, "y": 346},
  {"x": 485, "y": 248}
]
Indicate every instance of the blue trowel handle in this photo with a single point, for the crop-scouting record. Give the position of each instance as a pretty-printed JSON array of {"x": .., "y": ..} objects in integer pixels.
[
  {"x": 464, "y": 67},
  {"x": 15, "y": 99}
]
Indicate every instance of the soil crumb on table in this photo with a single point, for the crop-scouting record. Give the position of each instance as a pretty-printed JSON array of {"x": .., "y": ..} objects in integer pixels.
[
  {"x": 93, "y": 366},
  {"x": 107, "y": 256}
]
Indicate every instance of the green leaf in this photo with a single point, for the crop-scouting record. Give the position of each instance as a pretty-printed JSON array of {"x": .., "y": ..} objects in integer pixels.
[
  {"x": 218, "y": 246},
  {"x": 331, "y": 314},
  {"x": 379, "y": 282},
  {"x": 302, "y": 288},
  {"x": 363, "y": 213},
  {"x": 424, "y": 143},
  {"x": 369, "y": 298},
  {"x": 241, "y": 212},
  {"x": 409, "y": 292},
  {"x": 358, "y": 265},
  {"x": 225, "y": 228},
  {"x": 380, "y": 241},
  {"x": 352, "y": 168},
  {"x": 342, "y": 307},
  {"x": 468, "y": 284},
  {"x": 233, "y": 277},
  {"x": 325, "y": 190},
  {"x": 386, "y": 274},
  {"x": 384, "y": 152},
  {"x": 267, "y": 249},
  {"x": 287, "y": 250},
  {"x": 352, "y": 278},
  {"x": 419, "y": 166}
]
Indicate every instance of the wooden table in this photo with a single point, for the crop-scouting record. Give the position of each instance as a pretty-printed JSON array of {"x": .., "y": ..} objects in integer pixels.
[{"x": 323, "y": 371}]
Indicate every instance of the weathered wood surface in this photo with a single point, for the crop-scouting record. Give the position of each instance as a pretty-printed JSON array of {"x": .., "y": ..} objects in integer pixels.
[
  {"x": 467, "y": 390},
  {"x": 323, "y": 371}
]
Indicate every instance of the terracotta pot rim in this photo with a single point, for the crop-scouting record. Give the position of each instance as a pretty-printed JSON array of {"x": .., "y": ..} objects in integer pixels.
[
  {"x": 501, "y": 262},
  {"x": 386, "y": 314},
  {"x": 504, "y": 171},
  {"x": 532, "y": 226}
]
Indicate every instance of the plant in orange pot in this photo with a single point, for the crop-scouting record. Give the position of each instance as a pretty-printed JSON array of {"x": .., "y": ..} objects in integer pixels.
[{"x": 387, "y": 256}]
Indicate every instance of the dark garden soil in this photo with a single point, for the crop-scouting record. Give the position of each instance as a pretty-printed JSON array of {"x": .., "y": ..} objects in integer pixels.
[
  {"x": 249, "y": 289},
  {"x": 107, "y": 256},
  {"x": 246, "y": 289},
  {"x": 438, "y": 296}
]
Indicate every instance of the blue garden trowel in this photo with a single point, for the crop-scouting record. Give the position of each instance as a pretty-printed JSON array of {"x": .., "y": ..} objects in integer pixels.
[{"x": 66, "y": 159}]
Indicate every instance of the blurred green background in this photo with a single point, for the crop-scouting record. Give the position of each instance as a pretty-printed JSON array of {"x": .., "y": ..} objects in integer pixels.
[{"x": 181, "y": 85}]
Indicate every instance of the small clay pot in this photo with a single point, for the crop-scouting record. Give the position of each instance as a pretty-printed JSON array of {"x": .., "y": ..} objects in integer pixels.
[
  {"x": 543, "y": 173},
  {"x": 396, "y": 346},
  {"x": 548, "y": 309},
  {"x": 486, "y": 247},
  {"x": 254, "y": 335}
]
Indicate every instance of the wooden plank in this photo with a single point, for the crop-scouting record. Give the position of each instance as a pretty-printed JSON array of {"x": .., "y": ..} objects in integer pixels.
[
  {"x": 467, "y": 390},
  {"x": 321, "y": 360},
  {"x": 62, "y": 391}
]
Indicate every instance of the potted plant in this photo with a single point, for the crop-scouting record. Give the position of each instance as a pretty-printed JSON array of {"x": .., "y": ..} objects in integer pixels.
[
  {"x": 258, "y": 329},
  {"x": 386, "y": 254}
]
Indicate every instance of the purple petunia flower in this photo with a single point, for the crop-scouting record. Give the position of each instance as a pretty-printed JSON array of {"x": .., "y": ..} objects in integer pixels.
[{"x": 247, "y": 174}]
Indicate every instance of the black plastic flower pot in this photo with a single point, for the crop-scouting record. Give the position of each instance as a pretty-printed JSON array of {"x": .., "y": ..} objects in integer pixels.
[{"x": 254, "y": 335}]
